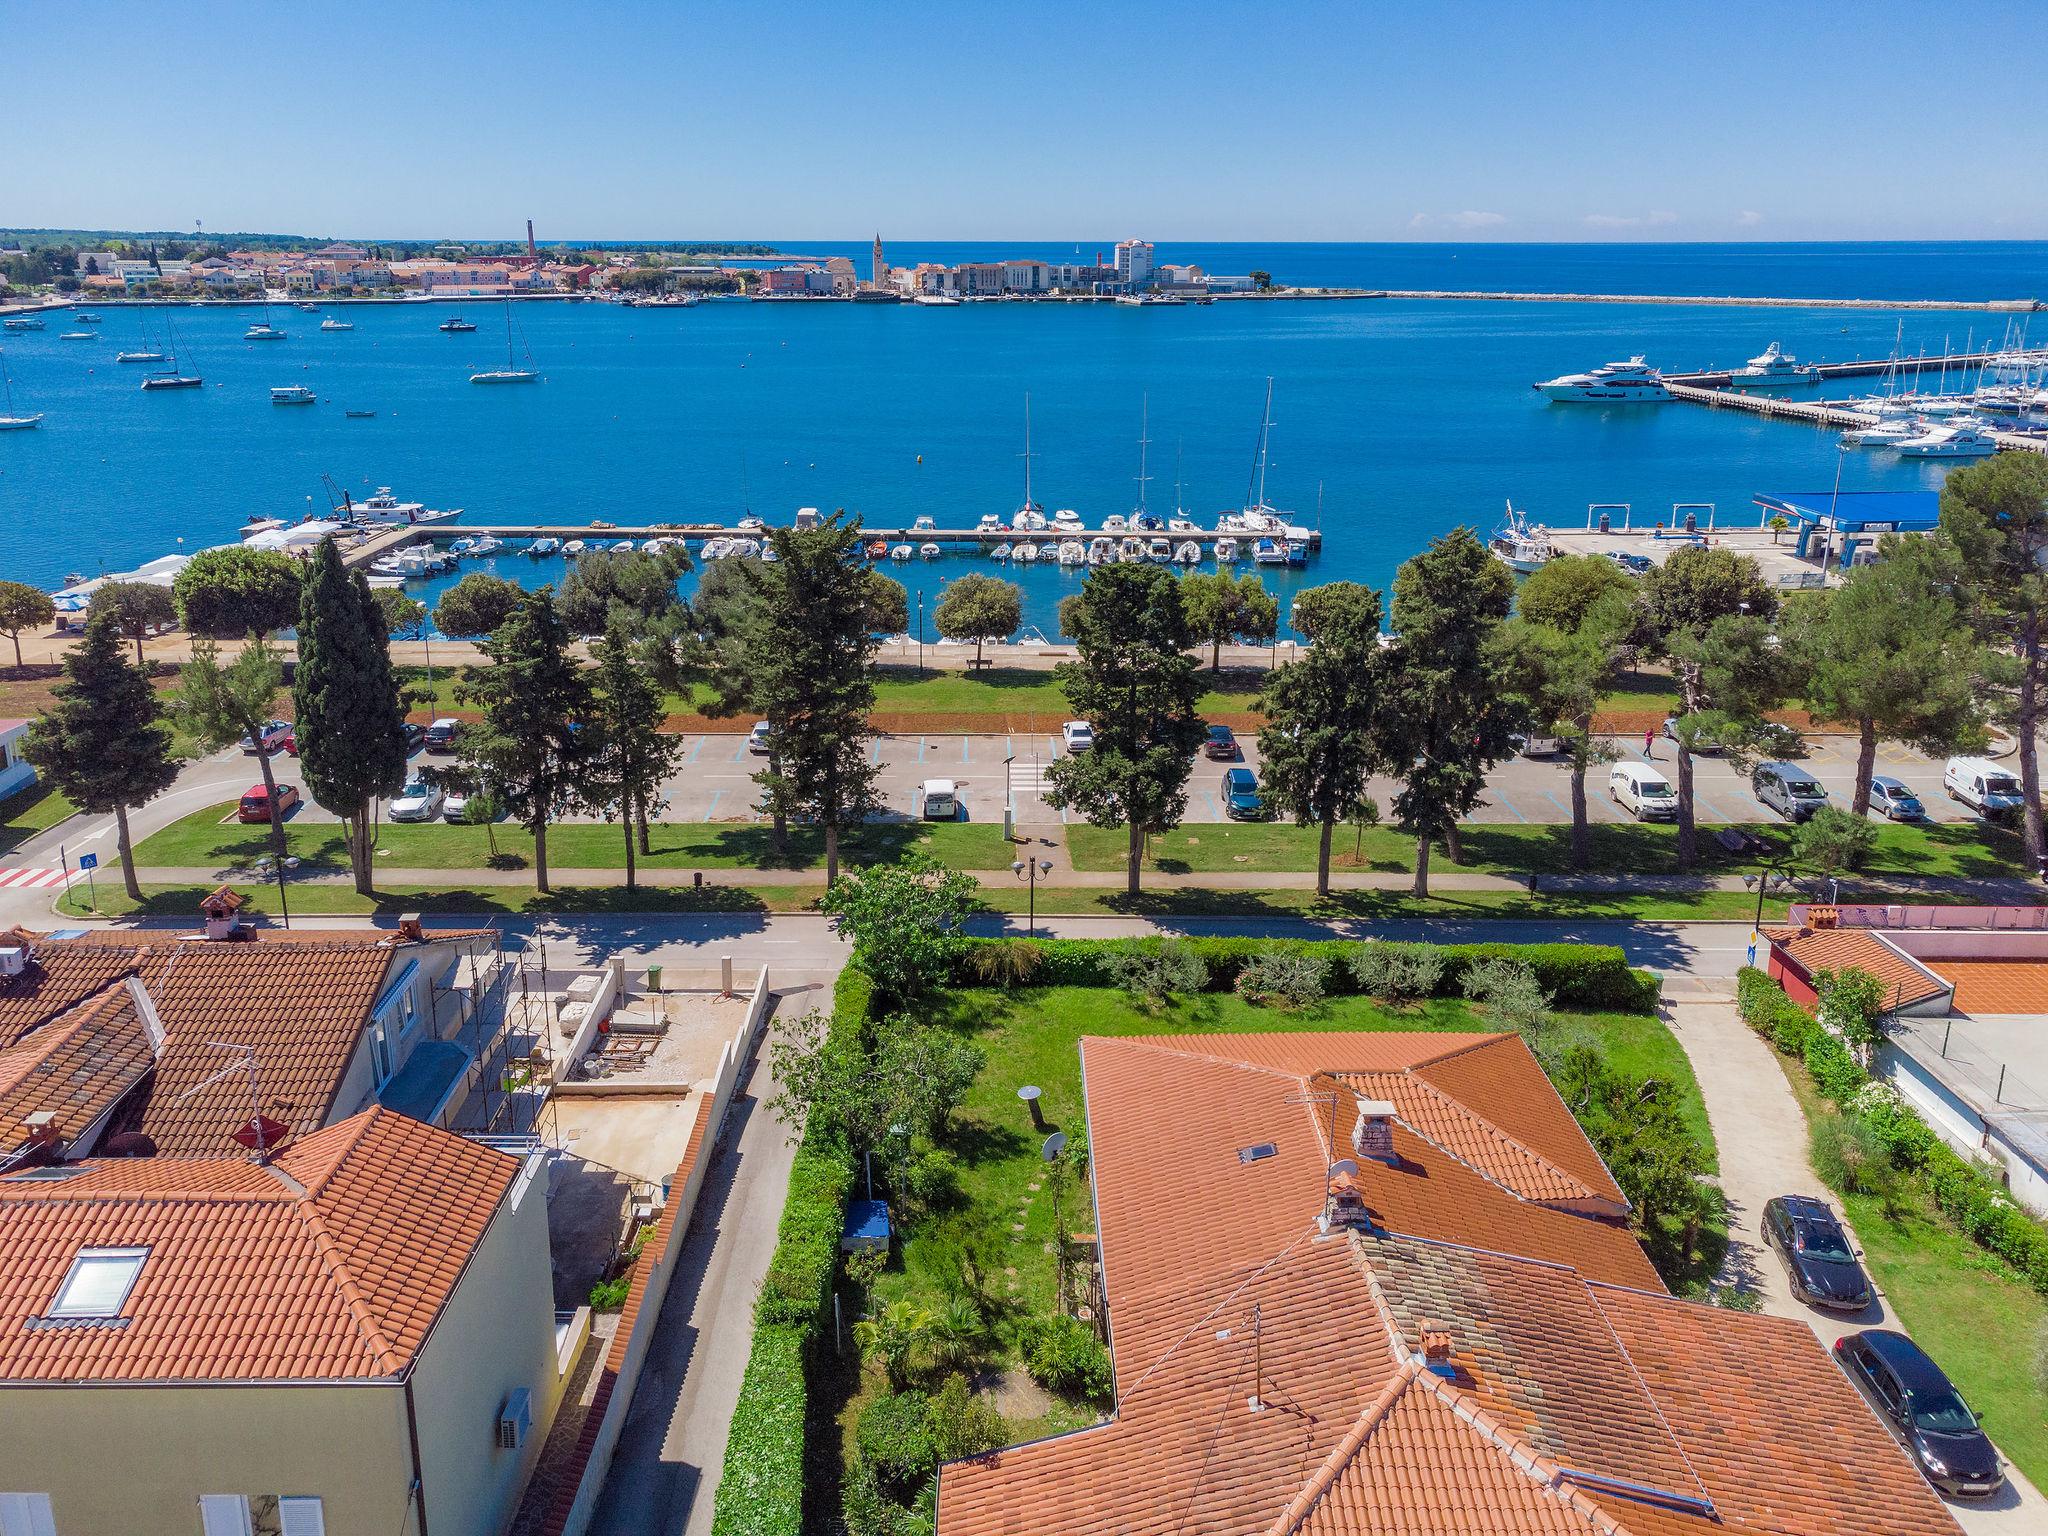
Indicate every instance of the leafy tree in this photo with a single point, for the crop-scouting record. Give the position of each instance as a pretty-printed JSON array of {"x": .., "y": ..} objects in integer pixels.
[
  {"x": 23, "y": 607},
  {"x": 1704, "y": 608},
  {"x": 887, "y": 604},
  {"x": 103, "y": 742},
  {"x": 1563, "y": 592},
  {"x": 220, "y": 705},
  {"x": 980, "y": 608},
  {"x": 911, "y": 1076},
  {"x": 1135, "y": 684},
  {"x": 1322, "y": 733},
  {"x": 347, "y": 716},
  {"x": 905, "y": 920},
  {"x": 1852, "y": 1000},
  {"x": 897, "y": 1335},
  {"x": 631, "y": 757},
  {"x": 1448, "y": 710},
  {"x": 529, "y": 750},
  {"x": 631, "y": 586},
  {"x": 1889, "y": 651},
  {"x": 402, "y": 615},
  {"x": 1832, "y": 841},
  {"x": 1996, "y": 514},
  {"x": 1261, "y": 280},
  {"x": 1224, "y": 608},
  {"x": 137, "y": 609},
  {"x": 1636, "y": 1126},
  {"x": 476, "y": 605},
  {"x": 224, "y": 593}
]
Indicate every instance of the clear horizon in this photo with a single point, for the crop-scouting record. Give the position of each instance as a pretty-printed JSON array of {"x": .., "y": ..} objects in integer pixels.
[{"x": 1484, "y": 123}]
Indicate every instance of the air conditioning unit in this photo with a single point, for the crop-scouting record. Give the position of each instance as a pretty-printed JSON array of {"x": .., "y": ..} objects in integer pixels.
[{"x": 515, "y": 1418}]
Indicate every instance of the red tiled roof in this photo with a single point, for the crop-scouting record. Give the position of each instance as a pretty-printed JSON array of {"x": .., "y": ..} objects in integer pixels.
[
  {"x": 77, "y": 1067},
  {"x": 333, "y": 1262},
  {"x": 57, "y": 978},
  {"x": 1996, "y": 986},
  {"x": 1815, "y": 950}
]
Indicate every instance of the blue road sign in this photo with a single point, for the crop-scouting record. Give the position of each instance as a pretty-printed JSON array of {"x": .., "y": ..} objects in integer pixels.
[{"x": 88, "y": 861}]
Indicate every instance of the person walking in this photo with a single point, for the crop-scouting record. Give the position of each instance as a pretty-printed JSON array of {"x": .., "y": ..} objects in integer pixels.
[{"x": 1650, "y": 745}]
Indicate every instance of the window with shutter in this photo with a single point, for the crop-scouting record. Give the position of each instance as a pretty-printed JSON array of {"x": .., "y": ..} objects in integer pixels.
[{"x": 301, "y": 1515}]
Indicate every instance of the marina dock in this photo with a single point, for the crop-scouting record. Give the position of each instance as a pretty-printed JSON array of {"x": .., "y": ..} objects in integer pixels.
[{"x": 1871, "y": 367}]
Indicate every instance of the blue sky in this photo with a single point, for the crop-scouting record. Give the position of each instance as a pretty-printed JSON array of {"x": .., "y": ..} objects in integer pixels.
[{"x": 1188, "y": 121}]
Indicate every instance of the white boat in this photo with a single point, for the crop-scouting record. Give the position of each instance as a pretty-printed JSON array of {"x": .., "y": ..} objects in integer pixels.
[
  {"x": 1774, "y": 368},
  {"x": 387, "y": 508},
  {"x": 1025, "y": 553},
  {"x": 486, "y": 544},
  {"x": 751, "y": 524},
  {"x": 511, "y": 373},
  {"x": 919, "y": 526},
  {"x": 1523, "y": 547},
  {"x": 1226, "y": 551},
  {"x": 455, "y": 323},
  {"x": 1189, "y": 553},
  {"x": 1001, "y": 552},
  {"x": 1269, "y": 552},
  {"x": 387, "y": 565},
  {"x": 900, "y": 552},
  {"x": 9, "y": 420},
  {"x": 768, "y": 555},
  {"x": 25, "y": 323},
  {"x": 1114, "y": 523},
  {"x": 458, "y": 547},
  {"x": 749, "y": 549},
  {"x": 1130, "y": 299},
  {"x": 79, "y": 336},
  {"x": 541, "y": 548},
  {"x": 138, "y": 357},
  {"x": 1073, "y": 552},
  {"x": 1158, "y": 549},
  {"x": 574, "y": 548},
  {"x": 928, "y": 551},
  {"x": 1128, "y": 551},
  {"x": 989, "y": 523},
  {"x": 1028, "y": 520},
  {"x": 292, "y": 394},
  {"x": 1964, "y": 440},
  {"x": 1101, "y": 551},
  {"x": 86, "y": 317},
  {"x": 936, "y": 300},
  {"x": 717, "y": 548},
  {"x": 263, "y": 330},
  {"x": 332, "y": 324},
  {"x": 1181, "y": 525},
  {"x": 1609, "y": 384},
  {"x": 620, "y": 546},
  {"x": 1066, "y": 520},
  {"x": 1887, "y": 434}
]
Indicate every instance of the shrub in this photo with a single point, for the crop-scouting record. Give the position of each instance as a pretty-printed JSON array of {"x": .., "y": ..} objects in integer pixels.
[
  {"x": 610, "y": 1295},
  {"x": 931, "y": 1178},
  {"x": 962, "y": 1422},
  {"x": 1004, "y": 962},
  {"x": 1509, "y": 987},
  {"x": 1064, "y": 1356},
  {"x": 895, "y": 1439},
  {"x": 1850, "y": 1156},
  {"x": 1291, "y": 977},
  {"x": 1852, "y": 1003},
  {"x": 762, "y": 1490},
  {"x": 1397, "y": 973},
  {"x": 1156, "y": 972}
]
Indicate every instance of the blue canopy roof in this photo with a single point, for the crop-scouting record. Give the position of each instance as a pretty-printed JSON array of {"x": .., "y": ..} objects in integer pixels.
[{"x": 1859, "y": 511}]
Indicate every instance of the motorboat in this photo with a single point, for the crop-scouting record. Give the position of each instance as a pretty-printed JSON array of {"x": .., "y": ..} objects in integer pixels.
[
  {"x": 573, "y": 549},
  {"x": 877, "y": 549},
  {"x": 139, "y": 357},
  {"x": 1028, "y": 519},
  {"x": 308, "y": 307},
  {"x": 1523, "y": 546},
  {"x": 928, "y": 551},
  {"x": 292, "y": 394},
  {"x": 1025, "y": 554},
  {"x": 541, "y": 548},
  {"x": 1774, "y": 368},
  {"x": 1101, "y": 551},
  {"x": 1001, "y": 552},
  {"x": 768, "y": 555},
  {"x": 456, "y": 323},
  {"x": 717, "y": 548},
  {"x": 25, "y": 323},
  {"x": 1066, "y": 520},
  {"x": 920, "y": 526},
  {"x": 332, "y": 324},
  {"x": 1073, "y": 552},
  {"x": 751, "y": 524},
  {"x": 1887, "y": 434},
  {"x": 1159, "y": 549},
  {"x": 465, "y": 546},
  {"x": 1114, "y": 523},
  {"x": 936, "y": 300},
  {"x": 1129, "y": 551},
  {"x": 1609, "y": 384},
  {"x": 85, "y": 317},
  {"x": 989, "y": 523},
  {"x": 1226, "y": 551},
  {"x": 1189, "y": 553},
  {"x": 1269, "y": 552},
  {"x": 358, "y": 415},
  {"x": 1181, "y": 525},
  {"x": 1964, "y": 440},
  {"x": 748, "y": 549},
  {"x": 263, "y": 330},
  {"x": 620, "y": 546},
  {"x": 79, "y": 336},
  {"x": 387, "y": 508},
  {"x": 900, "y": 552},
  {"x": 486, "y": 544}
]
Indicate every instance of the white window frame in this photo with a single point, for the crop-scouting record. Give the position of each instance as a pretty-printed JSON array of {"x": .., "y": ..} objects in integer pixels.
[
  {"x": 225, "y": 1514},
  {"x": 301, "y": 1514},
  {"x": 133, "y": 1257},
  {"x": 26, "y": 1514}
]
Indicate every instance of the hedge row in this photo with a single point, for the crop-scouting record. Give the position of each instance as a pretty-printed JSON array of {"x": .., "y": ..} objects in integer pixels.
[
  {"x": 761, "y": 1492},
  {"x": 1962, "y": 1190},
  {"x": 1593, "y": 978}
]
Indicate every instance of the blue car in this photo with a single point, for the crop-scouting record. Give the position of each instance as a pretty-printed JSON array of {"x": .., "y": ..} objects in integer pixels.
[{"x": 1241, "y": 798}]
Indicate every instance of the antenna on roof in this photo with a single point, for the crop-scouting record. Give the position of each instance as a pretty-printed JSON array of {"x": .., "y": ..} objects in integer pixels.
[
  {"x": 261, "y": 1137},
  {"x": 1321, "y": 1096}
]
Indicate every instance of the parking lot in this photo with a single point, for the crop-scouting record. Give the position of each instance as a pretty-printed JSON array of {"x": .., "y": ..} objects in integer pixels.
[{"x": 715, "y": 781}]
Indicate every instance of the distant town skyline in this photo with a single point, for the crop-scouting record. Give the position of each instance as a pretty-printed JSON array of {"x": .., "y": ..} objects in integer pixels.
[{"x": 1318, "y": 122}]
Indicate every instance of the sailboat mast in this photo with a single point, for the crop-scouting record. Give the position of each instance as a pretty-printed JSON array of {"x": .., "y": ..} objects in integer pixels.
[
  {"x": 1265, "y": 434},
  {"x": 508, "y": 333},
  {"x": 1026, "y": 455},
  {"x": 1144, "y": 440}
]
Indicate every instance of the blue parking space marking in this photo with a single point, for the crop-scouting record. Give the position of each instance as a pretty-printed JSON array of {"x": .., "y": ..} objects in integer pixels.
[
  {"x": 920, "y": 749},
  {"x": 739, "y": 753},
  {"x": 875, "y": 751},
  {"x": 695, "y": 750},
  {"x": 716, "y": 796},
  {"x": 963, "y": 747},
  {"x": 1215, "y": 810},
  {"x": 1563, "y": 809},
  {"x": 1515, "y": 809}
]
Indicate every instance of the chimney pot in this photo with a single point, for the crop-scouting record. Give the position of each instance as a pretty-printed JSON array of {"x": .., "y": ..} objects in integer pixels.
[
  {"x": 1372, "y": 1135},
  {"x": 410, "y": 930}
]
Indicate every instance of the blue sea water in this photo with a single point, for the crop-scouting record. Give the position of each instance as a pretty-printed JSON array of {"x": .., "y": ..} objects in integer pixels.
[{"x": 1398, "y": 418}]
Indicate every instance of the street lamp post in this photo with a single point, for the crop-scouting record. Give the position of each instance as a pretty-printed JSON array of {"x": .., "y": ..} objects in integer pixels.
[
  {"x": 1029, "y": 870},
  {"x": 1762, "y": 881},
  {"x": 920, "y": 632}
]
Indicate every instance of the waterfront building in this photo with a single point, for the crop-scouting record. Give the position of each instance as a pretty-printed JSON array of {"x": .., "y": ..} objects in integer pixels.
[
  {"x": 1134, "y": 263},
  {"x": 801, "y": 281},
  {"x": 979, "y": 279},
  {"x": 1026, "y": 276},
  {"x": 878, "y": 274},
  {"x": 840, "y": 270}
]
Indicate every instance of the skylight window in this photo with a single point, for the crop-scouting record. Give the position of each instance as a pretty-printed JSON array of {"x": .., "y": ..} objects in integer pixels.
[
  {"x": 99, "y": 1282},
  {"x": 1258, "y": 1153}
]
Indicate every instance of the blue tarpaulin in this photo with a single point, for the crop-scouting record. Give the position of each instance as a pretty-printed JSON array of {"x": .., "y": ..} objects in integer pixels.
[{"x": 867, "y": 1227}]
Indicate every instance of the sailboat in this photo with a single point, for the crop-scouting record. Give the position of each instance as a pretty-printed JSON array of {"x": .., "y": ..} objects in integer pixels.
[
  {"x": 9, "y": 422},
  {"x": 263, "y": 330},
  {"x": 1259, "y": 515},
  {"x": 168, "y": 376},
  {"x": 509, "y": 374},
  {"x": 1140, "y": 518}
]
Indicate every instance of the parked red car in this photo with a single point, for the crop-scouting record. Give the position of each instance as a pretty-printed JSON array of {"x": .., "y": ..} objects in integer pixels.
[{"x": 255, "y": 804}]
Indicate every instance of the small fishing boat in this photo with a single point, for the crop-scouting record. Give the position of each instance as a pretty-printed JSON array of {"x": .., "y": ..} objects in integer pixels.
[
  {"x": 455, "y": 323},
  {"x": 540, "y": 549},
  {"x": 877, "y": 548},
  {"x": 1226, "y": 551},
  {"x": 900, "y": 552},
  {"x": 332, "y": 324},
  {"x": 292, "y": 394},
  {"x": 620, "y": 546},
  {"x": 928, "y": 551},
  {"x": 1525, "y": 547},
  {"x": 717, "y": 549},
  {"x": 1297, "y": 551},
  {"x": 1130, "y": 551},
  {"x": 138, "y": 357},
  {"x": 25, "y": 323},
  {"x": 1158, "y": 549},
  {"x": 1025, "y": 553},
  {"x": 487, "y": 544},
  {"x": 1269, "y": 552},
  {"x": 1114, "y": 523},
  {"x": 574, "y": 548},
  {"x": 1189, "y": 553},
  {"x": 462, "y": 547},
  {"x": 358, "y": 415},
  {"x": 1073, "y": 552},
  {"x": 1001, "y": 552},
  {"x": 1101, "y": 551}
]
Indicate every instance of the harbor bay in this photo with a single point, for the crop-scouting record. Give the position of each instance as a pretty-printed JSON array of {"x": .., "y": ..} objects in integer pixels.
[{"x": 1393, "y": 421}]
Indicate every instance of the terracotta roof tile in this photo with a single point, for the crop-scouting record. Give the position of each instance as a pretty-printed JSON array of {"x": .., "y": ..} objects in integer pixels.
[
  {"x": 76, "y": 1067},
  {"x": 1472, "y": 1139},
  {"x": 1997, "y": 986},
  {"x": 1497, "y": 1076},
  {"x": 1815, "y": 950},
  {"x": 331, "y": 1263},
  {"x": 57, "y": 979}
]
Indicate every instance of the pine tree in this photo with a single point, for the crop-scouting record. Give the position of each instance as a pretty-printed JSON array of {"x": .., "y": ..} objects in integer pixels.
[
  {"x": 348, "y": 719},
  {"x": 530, "y": 752},
  {"x": 632, "y": 757},
  {"x": 1135, "y": 684},
  {"x": 104, "y": 742},
  {"x": 220, "y": 705}
]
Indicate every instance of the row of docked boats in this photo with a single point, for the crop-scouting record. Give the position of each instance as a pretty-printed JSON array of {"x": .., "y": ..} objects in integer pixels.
[{"x": 1633, "y": 381}]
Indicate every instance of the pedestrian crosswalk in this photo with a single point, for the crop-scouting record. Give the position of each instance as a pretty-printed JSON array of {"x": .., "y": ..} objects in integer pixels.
[
  {"x": 1029, "y": 778},
  {"x": 28, "y": 879}
]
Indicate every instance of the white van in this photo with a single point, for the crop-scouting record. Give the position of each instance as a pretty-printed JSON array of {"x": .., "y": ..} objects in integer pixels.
[
  {"x": 1989, "y": 790},
  {"x": 938, "y": 800},
  {"x": 1642, "y": 791}
]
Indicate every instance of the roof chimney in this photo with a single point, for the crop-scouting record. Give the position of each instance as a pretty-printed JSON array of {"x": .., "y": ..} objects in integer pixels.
[
  {"x": 1823, "y": 917},
  {"x": 409, "y": 929},
  {"x": 13, "y": 961},
  {"x": 1373, "y": 1134},
  {"x": 220, "y": 909},
  {"x": 43, "y": 1130},
  {"x": 1436, "y": 1349}
]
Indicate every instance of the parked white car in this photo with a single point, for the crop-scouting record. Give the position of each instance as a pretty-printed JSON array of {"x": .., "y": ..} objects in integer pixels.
[
  {"x": 418, "y": 801},
  {"x": 1989, "y": 790},
  {"x": 1642, "y": 791},
  {"x": 1078, "y": 735},
  {"x": 938, "y": 800},
  {"x": 757, "y": 738},
  {"x": 455, "y": 807}
]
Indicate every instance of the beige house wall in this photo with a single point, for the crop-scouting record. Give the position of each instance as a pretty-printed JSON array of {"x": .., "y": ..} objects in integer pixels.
[{"x": 121, "y": 1460}]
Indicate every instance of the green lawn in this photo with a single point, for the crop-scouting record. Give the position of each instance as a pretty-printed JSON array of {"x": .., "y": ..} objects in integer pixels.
[
  {"x": 28, "y": 812},
  {"x": 999, "y": 690},
  {"x": 208, "y": 838},
  {"x": 1198, "y": 901},
  {"x": 1971, "y": 849},
  {"x": 485, "y": 900}
]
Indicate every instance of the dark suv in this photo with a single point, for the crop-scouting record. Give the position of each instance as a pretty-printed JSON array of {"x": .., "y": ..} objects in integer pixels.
[
  {"x": 1818, "y": 1259},
  {"x": 1788, "y": 789},
  {"x": 1927, "y": 1413}
]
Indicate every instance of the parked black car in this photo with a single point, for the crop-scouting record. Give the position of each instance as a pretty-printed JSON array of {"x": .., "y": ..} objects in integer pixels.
[
  {"x": 1220, "y": 744},
  {"x": 1818, "y": 1259},
  {"x": 1924, "y": 1410}
]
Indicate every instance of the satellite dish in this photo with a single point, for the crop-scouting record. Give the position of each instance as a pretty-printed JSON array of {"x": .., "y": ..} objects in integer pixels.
[{"x": 1055, "y": 1144}]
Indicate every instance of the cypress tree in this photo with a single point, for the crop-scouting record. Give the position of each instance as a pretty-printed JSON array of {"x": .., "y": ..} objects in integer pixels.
[
  {"x": 349, "y": 723},
  {"x": 104, "y": 742},
  {"x": 632, "y": 756}
]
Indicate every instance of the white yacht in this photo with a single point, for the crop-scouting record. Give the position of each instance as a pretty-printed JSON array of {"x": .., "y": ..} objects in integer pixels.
[
  {"x": 1886, "y": 433},
  {"x": 1066, "y": 520},
  {"x": 1181, "y": 525},
  {"x": 511, "y": 373},
  {"x": 79, "y": 336},
  {"x": 1609, "y": 384},
  {"x": 9, "y": 420},
  {"x": 1522, "y": 546},
  {"x": 263, "y": 330},
  {"x": 1028, "y": 519},
  {"x": 1226, "y": 551},
  {"x": 292, "y": 394},
  {"x": 936, "y": 300},
  {"x": 990, "y": 523},
  {"x": 387, "y": 508},
  {"x": 139, "y": 357},
  {"x": 1963, "y": 440},
  {"x": 1269, "y": 552},
  {"x": 1130, "y": 551},
  {"x": 717, "y": 549},
  {"x": 1114, "y": 523},
  {"x": 1073, "y": 552},
  {"x": 1774, "y": 368},
  {"x": 332, "y": 324},
  {"x": 1158, "y": 549},
  {"x": 1101, "y": 551}
]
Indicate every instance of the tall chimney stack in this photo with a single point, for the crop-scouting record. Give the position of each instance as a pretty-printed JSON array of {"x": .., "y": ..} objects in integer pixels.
[{"x": 529, "y": 241}]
